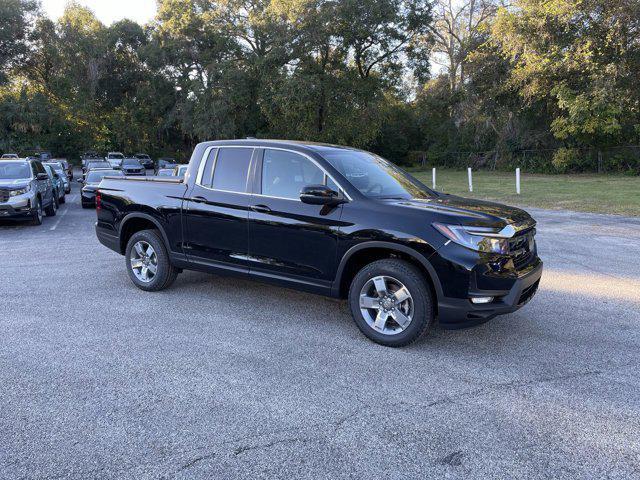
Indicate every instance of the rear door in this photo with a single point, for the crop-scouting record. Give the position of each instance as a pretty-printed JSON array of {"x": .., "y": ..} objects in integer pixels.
[
  {"x": 45, "y": 187},
  {"x": 288, "y": 239},
  {"x": 216, "y": 209}
]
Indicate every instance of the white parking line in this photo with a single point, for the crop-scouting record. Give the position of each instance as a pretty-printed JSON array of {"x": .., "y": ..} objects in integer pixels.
[{"x": 55, "y": 225}]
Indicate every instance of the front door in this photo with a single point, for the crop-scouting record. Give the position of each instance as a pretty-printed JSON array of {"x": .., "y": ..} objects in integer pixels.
[
  {"x": 216, "y": 210},
  {"x": 288, "y": 239}
]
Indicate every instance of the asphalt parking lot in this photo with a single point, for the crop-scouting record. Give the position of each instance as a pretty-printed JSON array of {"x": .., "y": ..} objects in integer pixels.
[{"x": 224, "y": 378}]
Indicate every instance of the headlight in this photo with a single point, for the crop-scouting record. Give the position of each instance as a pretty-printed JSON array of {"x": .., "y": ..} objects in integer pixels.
[
  {"x": 480, "y": 239},
  {"x": 21, "y": 191}
]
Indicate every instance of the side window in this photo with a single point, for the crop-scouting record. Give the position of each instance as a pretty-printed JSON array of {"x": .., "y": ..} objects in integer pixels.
[
  {"x": 37, "y": 166},
  {"x": 284, "y": 174},
  {"x": 332, "y": 185},
  {"x": 231, "y": 169},
  {"x": 207, "y": 173}
]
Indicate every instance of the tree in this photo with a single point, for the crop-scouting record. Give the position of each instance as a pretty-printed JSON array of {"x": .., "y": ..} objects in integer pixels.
[
  {"x": 16, "y": 20},
  {"x": 581, "y": 57}
]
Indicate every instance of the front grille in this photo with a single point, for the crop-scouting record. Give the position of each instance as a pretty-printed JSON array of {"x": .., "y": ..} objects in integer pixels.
[
  {"x": 528, "y": 293},
  {"x": 520, "y": 247}
]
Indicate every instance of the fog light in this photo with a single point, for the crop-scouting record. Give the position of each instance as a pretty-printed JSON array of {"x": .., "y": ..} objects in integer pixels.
[{"x": 481, "y": 300}]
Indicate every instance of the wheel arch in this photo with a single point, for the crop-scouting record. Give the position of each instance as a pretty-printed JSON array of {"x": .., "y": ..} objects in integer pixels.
[
  {"x": 359, "y": 255},
  {"x": 135, "y": 222}
]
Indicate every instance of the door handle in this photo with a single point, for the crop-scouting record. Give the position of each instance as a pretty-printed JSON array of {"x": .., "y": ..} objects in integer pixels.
[{"x": 260, "y": 208}]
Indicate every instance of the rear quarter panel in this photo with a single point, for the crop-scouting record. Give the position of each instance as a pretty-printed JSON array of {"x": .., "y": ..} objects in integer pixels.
[{"x": 124, "y": 199}]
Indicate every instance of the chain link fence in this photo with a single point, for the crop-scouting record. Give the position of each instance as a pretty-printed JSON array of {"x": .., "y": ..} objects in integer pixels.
[{"x": 620, "y": 159}]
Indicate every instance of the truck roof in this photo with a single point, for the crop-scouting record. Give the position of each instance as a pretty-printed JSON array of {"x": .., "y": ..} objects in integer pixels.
[{"x": 293, "y": 144}]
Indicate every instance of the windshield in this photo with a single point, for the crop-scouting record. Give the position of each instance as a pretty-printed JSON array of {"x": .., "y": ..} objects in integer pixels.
[
  {"x": 131, "y": 163},
  {"x": 116, "y": 156},
  {"x": 142, "y": 156},
  {"x": 374, "y": 176},
  {"x": 14, "y": 170},
  {"x": 96, "y": 177},
  {"x": 57, "y": 167},
  {"x": 98, "y": 164}
]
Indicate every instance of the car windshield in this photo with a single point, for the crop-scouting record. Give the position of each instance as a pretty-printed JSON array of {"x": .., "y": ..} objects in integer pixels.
[
  {"x": 116, "y": 156},
  {"x": 130, "y": 162},
  {"x": 374, "y": 176},
  {"x": 98, "y": 164},
  {"x": 142, "y": 156},
  {"x": 165, "y": 172},
  {"x": 182, "y": 170},
  {"x": 96, "y": 177},
  {"x": 14, "y": 170},
  {"x": 57, "y": 167}
]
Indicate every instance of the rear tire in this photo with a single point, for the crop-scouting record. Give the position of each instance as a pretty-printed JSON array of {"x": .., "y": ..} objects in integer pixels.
[
  {"x": 374, "y": 300},
  {"x": 64, "y": 198},
  {"x": 146, "y": 251}
]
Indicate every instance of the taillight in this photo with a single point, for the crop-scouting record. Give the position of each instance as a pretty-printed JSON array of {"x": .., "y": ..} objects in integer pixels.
[{"x": 98, "y": 200}]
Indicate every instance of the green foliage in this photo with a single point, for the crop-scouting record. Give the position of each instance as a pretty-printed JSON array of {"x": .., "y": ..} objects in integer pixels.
[{"x": 538, "y": 76}]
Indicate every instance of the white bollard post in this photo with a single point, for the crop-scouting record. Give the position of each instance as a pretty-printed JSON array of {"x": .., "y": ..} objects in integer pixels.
[
  {"x": 470, "y": 180},
  {"x": 518, "y": 181},
  {"x": 433, "y": 174}
]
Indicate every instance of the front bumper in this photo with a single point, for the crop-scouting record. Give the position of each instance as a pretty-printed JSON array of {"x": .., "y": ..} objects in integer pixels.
[
  {"x": 464, "y": 274},
  {"x": 16, "y": 207}
]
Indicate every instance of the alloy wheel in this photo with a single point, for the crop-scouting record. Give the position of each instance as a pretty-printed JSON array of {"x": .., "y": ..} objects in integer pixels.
[
  {"x": 386, "y": 305},
  {"x": 144, "y": 261}
]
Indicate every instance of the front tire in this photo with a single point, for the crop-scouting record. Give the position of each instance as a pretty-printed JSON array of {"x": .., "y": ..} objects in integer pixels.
[
  {"x": 36, "y": 215},
  {"x": 148, "y": 262},
  {"x": 391, "y": 302},
  {"x": 52, "y": 209}
]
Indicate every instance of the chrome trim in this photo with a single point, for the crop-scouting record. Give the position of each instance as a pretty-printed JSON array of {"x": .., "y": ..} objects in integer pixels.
[{"x": 207, "y": 151}]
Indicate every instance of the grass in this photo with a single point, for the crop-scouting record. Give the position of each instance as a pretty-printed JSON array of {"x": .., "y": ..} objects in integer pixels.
[{"x": 614, "y": 194}]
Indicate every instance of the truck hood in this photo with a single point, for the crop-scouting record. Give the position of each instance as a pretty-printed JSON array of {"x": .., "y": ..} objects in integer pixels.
[
  {"x": 466, "y": 211},
  {"x": 19, "y": 183}
]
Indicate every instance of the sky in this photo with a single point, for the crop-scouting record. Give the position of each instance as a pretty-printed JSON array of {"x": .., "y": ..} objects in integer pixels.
[{"x": 107, "y": 11}]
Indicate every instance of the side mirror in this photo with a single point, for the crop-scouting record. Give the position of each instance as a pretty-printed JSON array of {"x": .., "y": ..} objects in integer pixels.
[
  {"x": 42, "y": 176},
  {"x": 319, "y": 195}
]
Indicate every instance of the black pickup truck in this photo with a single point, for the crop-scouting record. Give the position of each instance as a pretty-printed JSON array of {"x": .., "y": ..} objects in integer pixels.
[{"x": 330, "y": 220}]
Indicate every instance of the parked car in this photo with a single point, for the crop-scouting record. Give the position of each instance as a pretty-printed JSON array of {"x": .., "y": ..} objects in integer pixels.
[
  {"x": 115, "y": 159},
  {"x": 131, "y": 166},
  {"x": 44, "y": 156},
  {"x": 165, "y": 163},
  {"x": 6, "y": 156},
  {"x": 91, "y": 184},
  {"x": 58, "y": 183},
  {"x": 60, "y": 170},
  {"x": 25, "y": 191},
  {"x": 145, "y": 160},
  {"x": 180, "y": 171},
  {"x": 68, "y": 168},
  {"x": 89, "y": 156},
  {"x": 93, "y": 164},
  {"x": 165, "y": 172},
  {"x": 331, "y": 220}
]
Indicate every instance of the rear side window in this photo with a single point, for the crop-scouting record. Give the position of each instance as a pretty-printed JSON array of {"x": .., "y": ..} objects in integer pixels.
[
  {"x": 231, "y": 169},
  {"x": 207, "y": 173}
]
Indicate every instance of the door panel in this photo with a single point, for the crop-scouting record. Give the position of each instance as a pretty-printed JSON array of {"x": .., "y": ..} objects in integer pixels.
[
  {"x": 291, "y": 238},
  {"x": 287, "y": 237},
  {"x": 216, "y": 229}
]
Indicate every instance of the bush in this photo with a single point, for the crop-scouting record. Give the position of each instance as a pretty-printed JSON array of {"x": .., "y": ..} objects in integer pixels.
[{"x": 567, "y": 160}]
